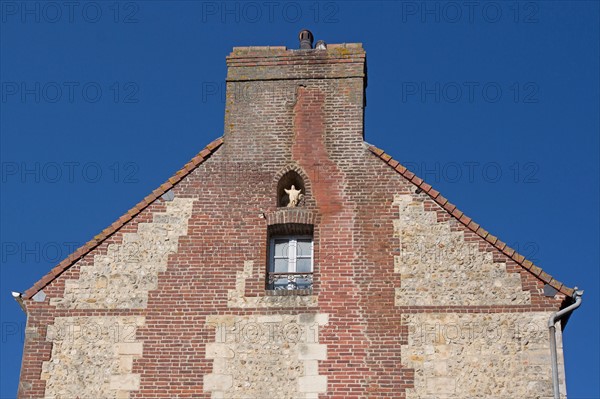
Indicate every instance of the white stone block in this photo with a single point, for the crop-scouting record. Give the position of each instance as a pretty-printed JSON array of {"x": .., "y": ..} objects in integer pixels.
[
  {"x": 214, "y": 350},
  {"x": 312, "y": 383},
  {"x": 312, "y": 352},
  {"x": 125, "y": 382},
  {"x": 441, "y": 385},
  {"x": 311, "y": 367},
  {"x": 125, "y": 364},
  {"x": 439, "y": 368},
  {"x": 122, "y": 395},
  {"x": 219, "y": 365},
  {"x": 130, "y": 348},
  {"x": 248, "y": 266},
  {"x": 217, "y": 382}
]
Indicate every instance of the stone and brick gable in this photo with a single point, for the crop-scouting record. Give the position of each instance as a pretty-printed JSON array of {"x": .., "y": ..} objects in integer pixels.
[
  {"x": 207, "y": 151},
  {"x": 409, "y": 297}
]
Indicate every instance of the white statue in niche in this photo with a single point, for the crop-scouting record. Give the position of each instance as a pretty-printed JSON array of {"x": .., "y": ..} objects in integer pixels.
[{"x": 294, "y": 195}]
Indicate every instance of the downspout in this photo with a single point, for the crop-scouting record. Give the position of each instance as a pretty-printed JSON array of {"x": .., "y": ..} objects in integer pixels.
[{"x": 552, "y": 331}]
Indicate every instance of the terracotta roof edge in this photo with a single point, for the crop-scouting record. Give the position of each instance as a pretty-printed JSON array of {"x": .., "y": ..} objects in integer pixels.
[
  {"x": 468, "y": 222},
  {"x": 124, "y": 219}
]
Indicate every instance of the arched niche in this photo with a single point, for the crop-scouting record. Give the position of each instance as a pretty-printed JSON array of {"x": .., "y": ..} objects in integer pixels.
[{"x": 289, "y": 179}]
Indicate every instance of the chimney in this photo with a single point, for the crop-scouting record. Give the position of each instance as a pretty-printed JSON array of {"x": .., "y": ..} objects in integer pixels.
[
  {"x": 276, "y": 96},
  {"x": 306, "y": 39}
]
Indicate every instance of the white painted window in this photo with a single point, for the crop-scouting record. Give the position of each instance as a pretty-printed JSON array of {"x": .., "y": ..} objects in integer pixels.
[{"x": 291, "y": 262}]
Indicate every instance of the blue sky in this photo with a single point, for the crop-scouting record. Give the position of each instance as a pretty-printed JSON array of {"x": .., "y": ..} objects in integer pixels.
[{"x": 495, "y": 103}]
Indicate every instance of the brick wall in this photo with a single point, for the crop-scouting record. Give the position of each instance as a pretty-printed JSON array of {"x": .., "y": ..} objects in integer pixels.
[{"x": 405, "y": 299}]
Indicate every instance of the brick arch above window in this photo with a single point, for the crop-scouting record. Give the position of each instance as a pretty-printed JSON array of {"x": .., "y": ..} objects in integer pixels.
[
  {"x": 288, "y": 168},
  {"x": 290, "y": 216}
]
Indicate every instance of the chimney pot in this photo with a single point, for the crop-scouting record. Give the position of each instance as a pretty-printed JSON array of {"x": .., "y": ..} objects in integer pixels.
[{"x": 306, "y": 39}]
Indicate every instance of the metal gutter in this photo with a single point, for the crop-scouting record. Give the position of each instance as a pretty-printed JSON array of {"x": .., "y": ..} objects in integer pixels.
[{"x": 552, "y": 332}]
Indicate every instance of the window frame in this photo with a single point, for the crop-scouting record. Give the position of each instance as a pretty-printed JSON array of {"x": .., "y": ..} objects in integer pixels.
[{"x": 292, "y": 256}]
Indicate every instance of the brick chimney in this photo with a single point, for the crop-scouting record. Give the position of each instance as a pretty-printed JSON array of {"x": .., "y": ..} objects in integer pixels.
[{"x": 279, "y": 99}]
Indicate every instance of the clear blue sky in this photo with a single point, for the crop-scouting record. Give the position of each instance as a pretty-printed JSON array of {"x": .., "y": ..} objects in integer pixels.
[{"x": 496, "y": 104}]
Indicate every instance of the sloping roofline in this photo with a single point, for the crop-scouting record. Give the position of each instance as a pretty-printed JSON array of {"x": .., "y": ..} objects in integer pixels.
[
  {"x": 129, "y": 215},
  {"x": 213, "y": 146},
  {"x": 470, "y": 224}
]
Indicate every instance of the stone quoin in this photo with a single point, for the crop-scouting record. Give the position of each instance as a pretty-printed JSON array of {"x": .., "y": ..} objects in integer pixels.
[{"x": 331, "y": 272}]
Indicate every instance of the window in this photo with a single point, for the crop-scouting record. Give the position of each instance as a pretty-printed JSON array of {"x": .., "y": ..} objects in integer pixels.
[{"x": 290, "y": 263}]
